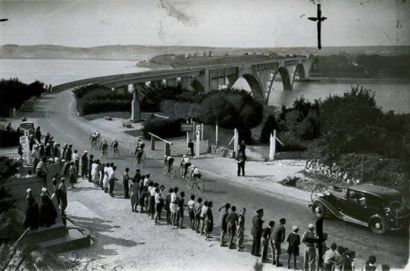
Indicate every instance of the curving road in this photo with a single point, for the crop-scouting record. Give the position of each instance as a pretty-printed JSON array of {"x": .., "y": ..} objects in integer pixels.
[{"x": 55, "y": 113}]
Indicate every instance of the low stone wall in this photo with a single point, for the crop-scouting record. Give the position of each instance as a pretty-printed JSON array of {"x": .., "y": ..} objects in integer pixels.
[{"x": 180, "y": 148}]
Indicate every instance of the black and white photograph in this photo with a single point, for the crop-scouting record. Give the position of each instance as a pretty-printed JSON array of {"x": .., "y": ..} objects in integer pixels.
[{"x": 204, "y": 135}]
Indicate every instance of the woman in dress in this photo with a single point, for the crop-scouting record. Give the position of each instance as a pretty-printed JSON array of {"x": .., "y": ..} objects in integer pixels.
[{"x": 209, "y": 220}]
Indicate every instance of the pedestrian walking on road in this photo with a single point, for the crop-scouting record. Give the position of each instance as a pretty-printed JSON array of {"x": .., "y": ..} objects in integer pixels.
[
  {"x": 278, "y": 237},
  {"x": 267, "y": 241},
  {"x": 241, "y": 164},
  {"x": 126, "y": 184},
  {"x": 223, "y": 214},
  {"x": 309, "y": 239},
  {"x": 232, "y": 222},
  {"x": 241, "y": 229},
  {"x": 256, "y": 232},
  {"x": 293, "y": 246}
]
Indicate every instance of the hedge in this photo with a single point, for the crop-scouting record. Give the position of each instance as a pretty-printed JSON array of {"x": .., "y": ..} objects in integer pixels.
[
  {"x": 162, "y": 127},
  {"x": 9, "y": 139}
]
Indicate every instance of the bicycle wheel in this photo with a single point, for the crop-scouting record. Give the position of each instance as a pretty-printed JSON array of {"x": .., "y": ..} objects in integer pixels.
[
  {"x": 200, "y": 185},
  {"x": 189, "y": 182},
  {"x": 180, "y": 172},
  {"x": 172, "y": 172}
]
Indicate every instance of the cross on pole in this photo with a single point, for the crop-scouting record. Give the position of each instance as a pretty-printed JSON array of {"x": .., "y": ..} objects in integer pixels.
[{"x": 319, "y": 20}]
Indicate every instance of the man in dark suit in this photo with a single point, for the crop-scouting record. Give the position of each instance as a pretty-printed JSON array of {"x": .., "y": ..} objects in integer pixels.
[
  {"x": 257, "y": 232},
  {"x": 278, "y": 236}
]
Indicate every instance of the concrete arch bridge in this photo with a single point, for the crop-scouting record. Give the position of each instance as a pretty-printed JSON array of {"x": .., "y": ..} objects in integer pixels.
[{"x": 259, "y": 75}]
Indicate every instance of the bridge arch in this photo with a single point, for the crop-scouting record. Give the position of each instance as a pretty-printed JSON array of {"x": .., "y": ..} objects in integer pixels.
[
  {"x": 284, "y": 74},
  {"x": 300, "y": 72},
  {"x": 197, "y": 85},
  {"x": 253, "y": 82}
]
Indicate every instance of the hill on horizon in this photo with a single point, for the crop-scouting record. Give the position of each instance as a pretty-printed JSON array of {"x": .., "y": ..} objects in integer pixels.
[{"x": 144, "y": 52}]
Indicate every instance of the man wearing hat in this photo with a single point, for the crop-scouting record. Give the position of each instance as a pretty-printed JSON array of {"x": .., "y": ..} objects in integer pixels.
[
  {"x": 257, "y": 232},
  {"x": 310, "y": 239}
]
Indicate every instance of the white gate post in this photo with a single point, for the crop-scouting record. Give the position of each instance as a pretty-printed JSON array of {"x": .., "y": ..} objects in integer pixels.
[{"x": 235, "y": 141}]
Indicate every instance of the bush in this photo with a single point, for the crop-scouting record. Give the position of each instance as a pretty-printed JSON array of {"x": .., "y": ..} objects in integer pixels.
[
  {"x": 295, "y": 126},
  {"x": 14, "y": 93},
  {"x": 162, "y": 127},
  {"x": 94, "y": 99},
  {"x": 8, "y": 139}
]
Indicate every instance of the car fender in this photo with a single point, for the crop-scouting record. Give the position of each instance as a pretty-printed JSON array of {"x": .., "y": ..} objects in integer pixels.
[
  {"x": 377, "y": 216},
  {"x": 329, "y": 207}
]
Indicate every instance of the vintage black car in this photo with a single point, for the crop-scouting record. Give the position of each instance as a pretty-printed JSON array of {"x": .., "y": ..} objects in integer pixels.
[{"x": 373, "y": 206}]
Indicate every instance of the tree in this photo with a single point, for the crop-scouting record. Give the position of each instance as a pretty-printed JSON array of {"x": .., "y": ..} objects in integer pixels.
[
  {"x": 350, "y": 123},
  {"x": 8, "y": 168},
  {"x": 231, "y": 109}
]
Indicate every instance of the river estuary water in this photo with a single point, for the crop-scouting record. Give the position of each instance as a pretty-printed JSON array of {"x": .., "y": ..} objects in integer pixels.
[{"x": 390, "y": 95}]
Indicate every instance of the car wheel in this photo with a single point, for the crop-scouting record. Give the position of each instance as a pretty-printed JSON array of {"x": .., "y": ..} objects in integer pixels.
[
  {"x": 378, "y": 225},
  {"x": 318, "y": 210}
]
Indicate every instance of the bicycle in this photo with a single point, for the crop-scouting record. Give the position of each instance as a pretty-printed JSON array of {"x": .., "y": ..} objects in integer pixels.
[
  {"x": 169, "y": 171},
  {"x": 193, "y": 181},
  {"x": 104, "y": 153},
  {"x": 115, "y": 152},
  {"x": 141, "y": 163}
]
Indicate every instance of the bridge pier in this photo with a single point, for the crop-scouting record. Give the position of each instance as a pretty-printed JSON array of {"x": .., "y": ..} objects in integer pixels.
[
  {"x": 172, "y": 83},
  {"x": 186, "y": 83},
  {"x": 135, "y": 104},
  {"x": 157, "y": 84}
]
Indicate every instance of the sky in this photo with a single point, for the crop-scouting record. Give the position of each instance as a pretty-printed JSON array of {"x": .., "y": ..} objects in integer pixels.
[{"x": 219, "y": 23}]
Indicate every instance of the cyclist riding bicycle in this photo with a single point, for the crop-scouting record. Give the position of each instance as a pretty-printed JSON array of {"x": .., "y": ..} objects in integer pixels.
[
  {"x": 170, "y": 163},
  {"x": 114, "y": 145},
  {"x": 196, "y": 173},
  {"x": 138, "y": 153},
  {"x": 185, "y": 162},
  {"x": 104, "y": 147}
]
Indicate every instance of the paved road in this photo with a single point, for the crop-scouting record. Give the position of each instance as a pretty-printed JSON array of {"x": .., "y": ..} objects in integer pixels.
[{"x": 55, "y": 114}]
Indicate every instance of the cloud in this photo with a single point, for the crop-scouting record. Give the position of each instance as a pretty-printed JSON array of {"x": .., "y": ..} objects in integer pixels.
[{"x": 176, "y": 9}]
